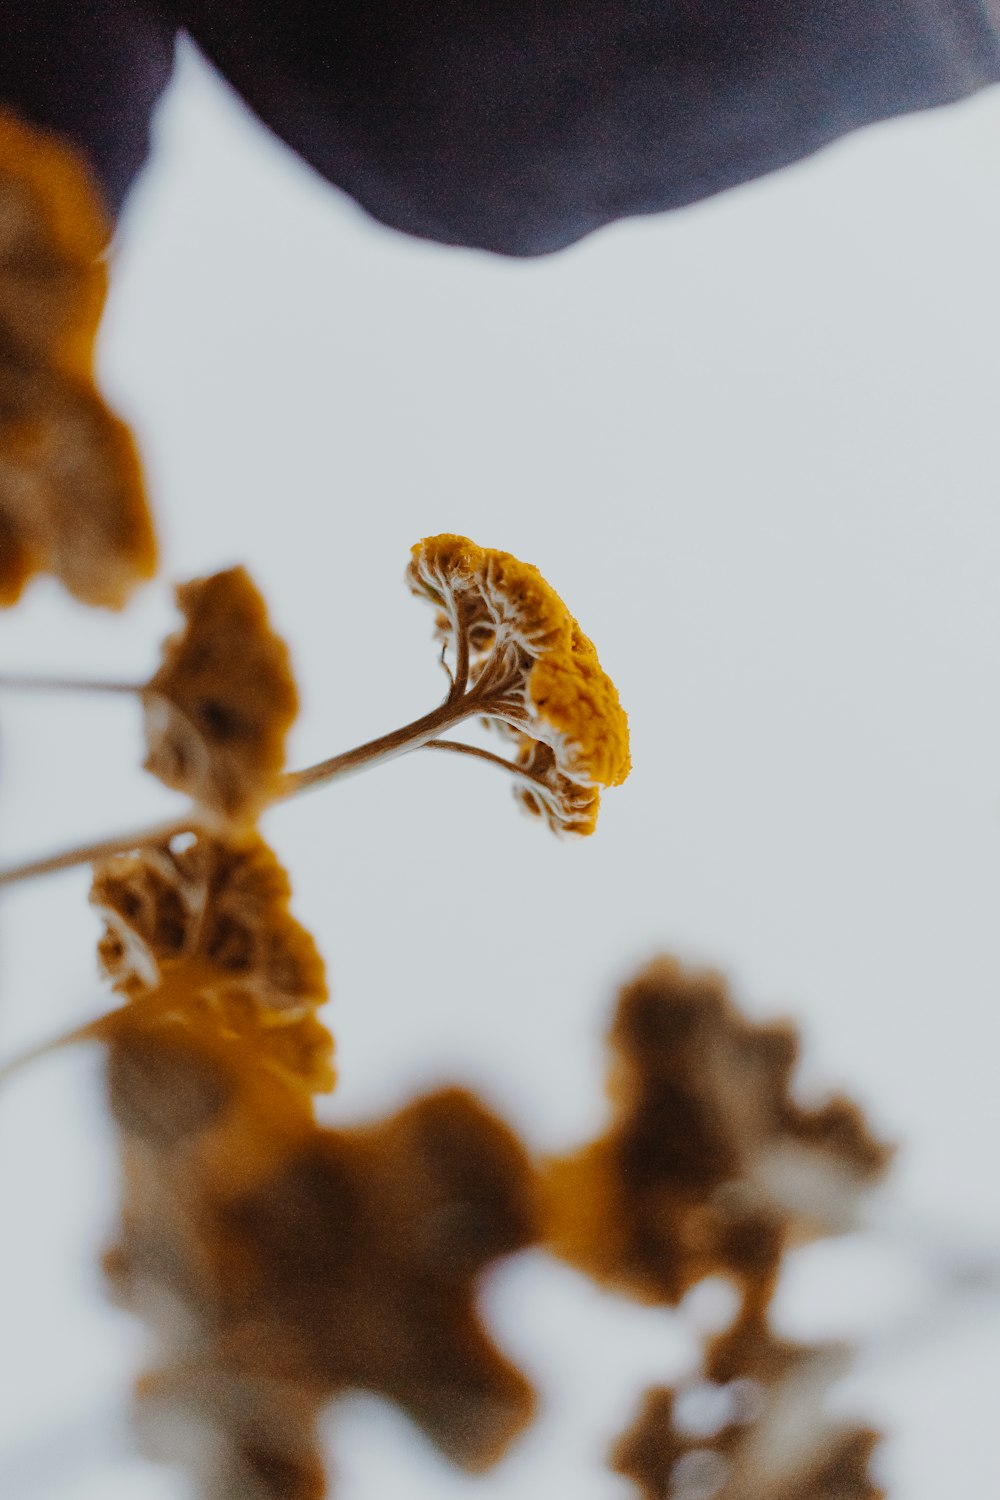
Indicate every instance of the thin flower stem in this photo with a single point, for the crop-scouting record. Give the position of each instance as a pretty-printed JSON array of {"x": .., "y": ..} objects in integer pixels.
[
  {"x": 361, "y": 758},
  {"x": 461, "y": 679},
  {"x": 458, "y": 747},
  {"x": 21, "y": 1060},
  {"x": 85, "y": 854},
  {"x": 13, "y": 682},
  {"x": 386, "y": 747}
]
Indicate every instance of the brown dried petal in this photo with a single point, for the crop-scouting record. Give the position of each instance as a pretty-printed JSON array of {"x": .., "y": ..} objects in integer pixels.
[
  {"x": 219, "y": 708},
  {"x": 708, "y": 1164}
]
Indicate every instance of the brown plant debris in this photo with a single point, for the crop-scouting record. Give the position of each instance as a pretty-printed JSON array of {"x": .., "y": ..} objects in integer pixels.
[
  {"x": 218, "y": 710},
  {"x": 708, "y": 1165},
  {"x": 756, "y": 1426},
  {"x": 283, "y": 1264},
  {"x": 71, "y": 493},
  {"x": 205, "y": 933},
  {"x": 520, "y": 655}
]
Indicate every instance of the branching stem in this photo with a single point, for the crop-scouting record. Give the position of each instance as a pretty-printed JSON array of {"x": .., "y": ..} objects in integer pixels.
[
  {"x": 374, "y": 752},
  {"x": 458, "y": 747},
  {"x": 398, "y": 742}
]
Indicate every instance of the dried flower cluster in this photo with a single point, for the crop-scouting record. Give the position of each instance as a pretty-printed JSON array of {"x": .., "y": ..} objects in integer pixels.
[
  {"x": 523, "y": 662},
  {"x": 281, "y": 1263}
]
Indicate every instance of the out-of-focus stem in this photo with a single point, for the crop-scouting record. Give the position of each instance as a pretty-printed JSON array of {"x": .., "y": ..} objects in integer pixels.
[
  {"x": 13, "y": 682},
  {"x": 85, "y": 854}
]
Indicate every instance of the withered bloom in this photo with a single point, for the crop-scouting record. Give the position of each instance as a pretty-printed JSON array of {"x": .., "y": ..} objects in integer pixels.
[
  {"x": 71, "y": 492},
  {"x": 774, "y": 1439},
  {"x": 523, "y": 662},
  {"x": 218, "y": 710},
  {"x": 205, "y": 934},
  {"x": 283, "y": 1264},
  {"x": 708, "y": 1165}
]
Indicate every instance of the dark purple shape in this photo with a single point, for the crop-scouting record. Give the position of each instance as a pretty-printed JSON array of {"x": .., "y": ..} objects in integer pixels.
[
  {"x": 521, "y": 125},
  {"x": 91, "y": 70}
]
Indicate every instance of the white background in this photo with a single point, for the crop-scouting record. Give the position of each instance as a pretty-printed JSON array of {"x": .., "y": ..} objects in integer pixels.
[{"x": 754, "y": 446}]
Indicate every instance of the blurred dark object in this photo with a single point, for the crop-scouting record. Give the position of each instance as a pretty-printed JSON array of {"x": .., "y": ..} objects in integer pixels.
[
  {"x": 514, "y": 125},
  {"x": 522, "y": 125},
  {"x": 91, "y": 70}
]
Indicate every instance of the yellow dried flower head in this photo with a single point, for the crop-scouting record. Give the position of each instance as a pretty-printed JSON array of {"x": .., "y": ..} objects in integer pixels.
[
  {"x": 206, "y": 933},
  {"x": 522, "y": 658},
  {"x": 218, "y": 710},
  {"x": 71, "y": 493},
  {"x": 708, "y": 1166}
]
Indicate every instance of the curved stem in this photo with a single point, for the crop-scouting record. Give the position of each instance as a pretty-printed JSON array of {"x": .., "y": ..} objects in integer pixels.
[
  {"x": 458, "y": 747},
  {"x": 85, "y": 854}
]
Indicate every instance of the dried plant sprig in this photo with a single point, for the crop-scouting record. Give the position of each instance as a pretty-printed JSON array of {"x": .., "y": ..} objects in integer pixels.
[
  {"x": 219, "y": 708},
  {"x": 72, "y": 501}
]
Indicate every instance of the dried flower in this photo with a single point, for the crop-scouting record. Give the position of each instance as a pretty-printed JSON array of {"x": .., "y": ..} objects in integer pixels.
[
  {"x": 205, "y": 933},
  {"x": 525, "y": 664},
  {"x": 219, "y": 708},
  {"x": 284, "y": 1264},
  {"x": 769, "y": 1435},
  {"x": 708, "y": 1164},
  {"x": 71, "y": 494}
]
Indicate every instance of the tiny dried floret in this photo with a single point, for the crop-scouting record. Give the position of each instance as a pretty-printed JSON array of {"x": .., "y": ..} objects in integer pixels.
[
  {"x": 773, "y": 1438},
  {"x": 218, "y": 710},
  {"x": 206, "y": 931},
  {"x": 522, "y": 661},
  {"x": 708, "y": 1165},
  {"x": 71, "y": 492}
]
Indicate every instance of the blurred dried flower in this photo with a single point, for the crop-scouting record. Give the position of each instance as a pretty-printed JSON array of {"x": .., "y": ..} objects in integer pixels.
[
  {"x": 205, "y": 932},
  {"x": 708, "y": 1164},
  {"x": 219, "y": 708},
  {"x": 71, "y": 493},
  {"x": 768, "y": 1436},
  {"x": 282, "y": 1264},
  {"x": 525, "y": 664}
]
